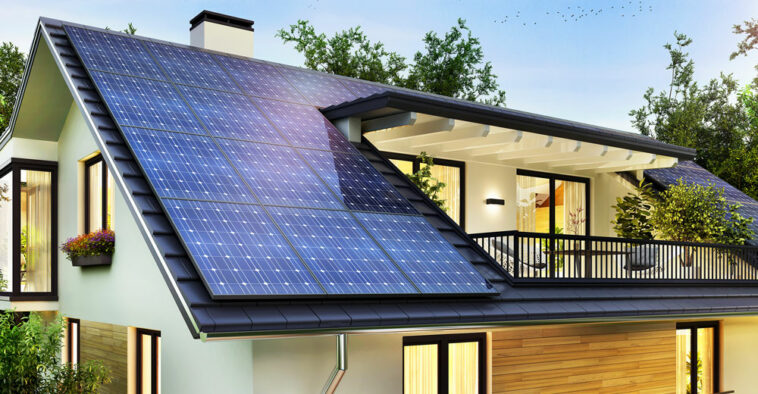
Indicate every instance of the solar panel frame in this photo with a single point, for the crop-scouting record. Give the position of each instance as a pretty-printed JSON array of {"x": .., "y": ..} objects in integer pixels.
[
  {"x": 260, "y": 79},
  {"x": 191, "y": 67},
  {"x": 320, "y": 89}
]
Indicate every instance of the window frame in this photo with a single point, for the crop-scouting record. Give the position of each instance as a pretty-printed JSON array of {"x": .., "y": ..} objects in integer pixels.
[
  {"x": 693, "y": 326},
  {"x": 104, "y": 192},
  {"x": 442, "y": 341},
  {"x": 154, "y": 361},
  {"x": 461, "y": 165},
  {"x": 552, "y": 177},
  {"x": 69, "y": 348},
  {"x": 15, "y": 166}
]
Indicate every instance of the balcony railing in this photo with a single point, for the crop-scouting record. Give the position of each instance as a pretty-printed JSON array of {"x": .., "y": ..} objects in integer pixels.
[{"x": 537, "y": 257}]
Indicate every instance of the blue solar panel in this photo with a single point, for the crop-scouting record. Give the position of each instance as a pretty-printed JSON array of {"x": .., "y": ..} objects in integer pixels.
[
  {"x": 260, "y": 79},
  {"x": 187, "y": 66},
  {"x": 230, "y": 115},
  {"x": 362, "y": 89},
  {"x": 238, "y": 250},
  {"x": 186, "y": 166},
  {"x": 111, "y": 52},
  {"x": 359, "y": 185},
  {"x": 320, "y": 89},
  {"x": 340, "y": 253},
  {"x": 304, "y": 126},
  {"x": 421, "y": 252},
  {"x": 146, "y": 103},
  {"x": 278, "y": 176}
]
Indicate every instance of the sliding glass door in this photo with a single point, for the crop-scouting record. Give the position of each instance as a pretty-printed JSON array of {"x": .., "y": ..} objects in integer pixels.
[
  {"x": 554, "y": 204},
  {"x": 438, "y": 364},
  {"x": 697, "y": 358}
]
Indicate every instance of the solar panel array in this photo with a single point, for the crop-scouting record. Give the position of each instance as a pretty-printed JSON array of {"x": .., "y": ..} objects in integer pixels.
[{"x": 268, "y": 197}]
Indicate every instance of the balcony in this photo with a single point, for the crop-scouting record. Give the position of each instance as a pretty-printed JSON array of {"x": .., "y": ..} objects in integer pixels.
[{"x": 552, "y": 258}]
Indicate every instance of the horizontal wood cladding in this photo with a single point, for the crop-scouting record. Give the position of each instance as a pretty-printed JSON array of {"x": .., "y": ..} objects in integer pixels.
[
  {"x": 109, "y": 344},
  {"x": 598, "y": 358}
]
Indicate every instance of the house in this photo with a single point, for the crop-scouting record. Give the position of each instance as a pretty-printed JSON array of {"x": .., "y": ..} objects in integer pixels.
[{"x": 268, "y": 241}]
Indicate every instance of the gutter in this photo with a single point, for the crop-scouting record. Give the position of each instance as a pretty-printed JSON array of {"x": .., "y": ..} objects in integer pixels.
[{"x": 339, "y": 369}]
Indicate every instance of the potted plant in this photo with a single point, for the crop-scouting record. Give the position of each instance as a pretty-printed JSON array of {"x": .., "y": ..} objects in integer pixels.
[{"x": 90, "y": 249}]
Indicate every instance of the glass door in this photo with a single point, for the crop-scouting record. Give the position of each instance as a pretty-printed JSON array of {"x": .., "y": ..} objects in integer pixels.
[
  {"x": 697, "y": 358},
  {"x": 452, "y": 364}
]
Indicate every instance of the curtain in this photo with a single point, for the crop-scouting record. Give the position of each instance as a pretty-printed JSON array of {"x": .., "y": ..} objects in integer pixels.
[
  {"x": 526, "y": 219},
  {"x": 574, "y": 211},
  {"x": 420, "y": 369},
  {"x": 451, "y": 193},
  {"x": 38, "y": 230},
  {"x": 111, "y": 201},
  {"x": 6, "y": 232},
  {"x": 705, "y": 353},
  {"x": 682, "y": 358},
  {"x": 95, "y": 196},
  {"x": 463, "y": 367}
]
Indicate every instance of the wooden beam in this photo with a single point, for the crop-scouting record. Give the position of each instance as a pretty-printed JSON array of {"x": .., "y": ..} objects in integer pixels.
[
  {"x": 537, "y": 155},
  {"x": 623, "y": 155},
  {"x": 442, "y": 125},
  {"x": 652, "y": 161},
  {"x": 456, "y": 137},
  {"x": 390, "y": 121}
]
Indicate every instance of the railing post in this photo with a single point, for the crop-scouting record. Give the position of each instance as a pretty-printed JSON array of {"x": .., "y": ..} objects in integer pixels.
[
  {"x": 588, "y": 258},
  {"x": 516, "y": 256},
  {"x": 551, "y": 242}
]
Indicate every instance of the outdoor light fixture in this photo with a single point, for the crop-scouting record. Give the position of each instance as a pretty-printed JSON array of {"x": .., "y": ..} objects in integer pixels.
[{"x": 495, "y": 201}]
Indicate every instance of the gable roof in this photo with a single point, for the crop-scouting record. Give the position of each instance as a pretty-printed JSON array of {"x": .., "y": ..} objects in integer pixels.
[{"x": 209, "y": 317}]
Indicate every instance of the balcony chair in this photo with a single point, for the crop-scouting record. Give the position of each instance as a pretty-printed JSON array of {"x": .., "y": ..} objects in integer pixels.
[{"x": 532, "y": 267}]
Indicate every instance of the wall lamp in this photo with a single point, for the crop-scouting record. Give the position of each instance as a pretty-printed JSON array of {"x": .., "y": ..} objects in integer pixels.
[{"x": 494, "y": 201}]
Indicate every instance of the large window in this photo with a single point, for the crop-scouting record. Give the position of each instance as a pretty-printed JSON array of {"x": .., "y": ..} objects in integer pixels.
[
  {"x": 451, "y": 173},
  {"x": 549, "y": 203},
  {"x": 98, "y": 195},
  {"x": 28, "y": 198},
  {"x": 148, "y": 371},
  {"x": 697, "y": 358},
  {"x": 444, "y": 364}
]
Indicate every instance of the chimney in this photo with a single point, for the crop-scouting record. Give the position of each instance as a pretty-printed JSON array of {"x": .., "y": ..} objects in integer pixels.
[{"x": 223, "y": 33}]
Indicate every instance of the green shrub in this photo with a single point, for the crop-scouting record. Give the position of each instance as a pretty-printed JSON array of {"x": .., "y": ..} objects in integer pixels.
[
  {"x": 428, "y": 184},
  {"x": 633, "y": 213}
]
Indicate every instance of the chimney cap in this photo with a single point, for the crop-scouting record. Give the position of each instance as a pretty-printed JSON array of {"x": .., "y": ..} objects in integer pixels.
[{"x": 215, "y": 17}]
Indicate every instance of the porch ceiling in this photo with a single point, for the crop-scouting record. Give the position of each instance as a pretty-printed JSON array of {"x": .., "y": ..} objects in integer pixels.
[{"x": 412, "y": 133}]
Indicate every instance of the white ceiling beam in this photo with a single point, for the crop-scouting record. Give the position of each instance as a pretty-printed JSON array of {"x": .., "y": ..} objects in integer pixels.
[
  {"x": 652, "y": 161},
  {"x": 390, "y": 121},
  {"x": 455, "y": 138},
  {"x": 442, "y": 125},
  {"x": 587, "y": 154},
  {"x": 556, "y": 151},
  {"x": 623, "y": 155}
]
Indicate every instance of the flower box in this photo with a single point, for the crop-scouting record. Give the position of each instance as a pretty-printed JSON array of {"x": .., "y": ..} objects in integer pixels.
[{"x": 91, "y": 261}]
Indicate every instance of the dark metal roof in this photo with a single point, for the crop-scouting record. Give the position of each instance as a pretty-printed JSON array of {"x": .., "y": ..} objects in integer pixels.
[
  {"x": 215, "y": 17},
  {"x": 205, "y": 316},
  {"x": 393, "y": 101}
]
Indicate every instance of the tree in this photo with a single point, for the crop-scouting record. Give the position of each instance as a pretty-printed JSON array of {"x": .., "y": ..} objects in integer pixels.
[
  {"x": 130, "y": 29},
  {"x": 711, "y": 118},
  {"x": 30, "y": 361},
  {"x": 12, "y": 63},
  {"x": 633, "y": 213},
  {"x": 424, "y": 180},
  {"x": 452, "y": 65},
  {"x": 750, "y": 42}
]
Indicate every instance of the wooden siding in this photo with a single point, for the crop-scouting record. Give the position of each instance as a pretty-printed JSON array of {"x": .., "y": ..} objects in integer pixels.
[
  {"x": 107, "y": 343},
  {"x": 600, "y": 358}
]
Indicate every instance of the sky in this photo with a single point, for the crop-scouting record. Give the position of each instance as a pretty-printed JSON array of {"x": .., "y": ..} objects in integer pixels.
[{"x": 592, "y": 69}]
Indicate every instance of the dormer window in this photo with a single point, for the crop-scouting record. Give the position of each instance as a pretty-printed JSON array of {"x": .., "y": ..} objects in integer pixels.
[
  {"x": 98, "y": 195},
  {"x": 28, "y": 197}
]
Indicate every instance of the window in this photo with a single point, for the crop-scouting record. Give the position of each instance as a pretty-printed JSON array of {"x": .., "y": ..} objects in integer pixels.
[
  {"x": 28, "y": 200},
  {"x": 700, "y": 339},
  {"x": 451, "y": 173},
  {"x": 148, "y": 350},
  {"x": 444, "y": 364},
  {"x": 98, "y": 195},
  {"x": 549, "y": 203},
  {"x": 72, "y": 341}
]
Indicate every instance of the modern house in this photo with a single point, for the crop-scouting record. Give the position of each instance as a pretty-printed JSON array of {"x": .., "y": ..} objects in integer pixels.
[{"x": 268, "y": 241}]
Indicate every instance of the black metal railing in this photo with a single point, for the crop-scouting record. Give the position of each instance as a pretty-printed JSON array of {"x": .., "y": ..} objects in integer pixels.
[{"x": 576, "y": 257}]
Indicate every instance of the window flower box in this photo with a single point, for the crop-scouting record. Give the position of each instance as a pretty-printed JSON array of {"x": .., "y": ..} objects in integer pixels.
[{"x": 93, "y": 249}]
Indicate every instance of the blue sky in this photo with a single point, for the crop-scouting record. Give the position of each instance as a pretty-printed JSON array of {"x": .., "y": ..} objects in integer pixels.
[{"x": 592, "y": 70}]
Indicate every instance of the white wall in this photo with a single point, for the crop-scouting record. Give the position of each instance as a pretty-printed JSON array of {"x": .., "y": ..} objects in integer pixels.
[
  {"x": 740, "y": 354},
  {"x": 132, "y": 291},
  {"x": 490, "y": 181}
]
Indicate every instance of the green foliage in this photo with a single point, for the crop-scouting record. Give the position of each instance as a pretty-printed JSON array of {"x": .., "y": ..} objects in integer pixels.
[
  {"x": 423, "y": 178},
  {"x": 130, "y": 29},
  {"x": 749, "y": 42},
  {"x": 12, "y": 63},
  {"x": 713, "y": 118},
  {"x": 30, "y": 362},
  {"x": 633, "y": 213},
  {"x": 452, "y": 65}
]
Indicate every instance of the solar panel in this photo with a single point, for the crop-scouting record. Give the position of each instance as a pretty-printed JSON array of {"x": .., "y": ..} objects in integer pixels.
[
  {"x": 111, "y": 52},
  {"x": 186, "y": 166},
  {"x": 190, "y": 67},
  {"x": 362, "y": 89},
  {"x": 421, "y": 252},
  {"x": 230, "y": 115},
  {"x": 260, "y": 79},
  {"x": 278, "y": 176},
  {"x": 340, "y": 253},
  {"x": 304, "y": 126},
  {"x": 238, "y": 250},
  {"x": 358, "y": 184},
  {"x": 146, "y": 103},
  {"x": 320, "y": 89}
]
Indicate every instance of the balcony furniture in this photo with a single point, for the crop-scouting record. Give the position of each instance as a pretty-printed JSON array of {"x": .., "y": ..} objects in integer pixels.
[{"x": 538, "y": 261}]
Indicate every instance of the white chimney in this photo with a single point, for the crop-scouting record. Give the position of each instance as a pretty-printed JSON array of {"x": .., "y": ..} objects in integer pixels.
[{"x": 223, "y": 33}]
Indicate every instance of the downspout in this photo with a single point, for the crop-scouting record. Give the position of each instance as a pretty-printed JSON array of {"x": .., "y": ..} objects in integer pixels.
[{"x": 339, "y": 370}]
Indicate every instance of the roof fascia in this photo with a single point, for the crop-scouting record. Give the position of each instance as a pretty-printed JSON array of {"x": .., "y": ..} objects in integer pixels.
[{"x": 513, "y": 120}]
